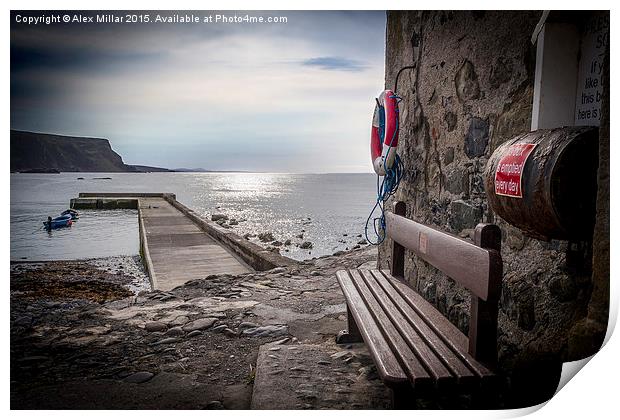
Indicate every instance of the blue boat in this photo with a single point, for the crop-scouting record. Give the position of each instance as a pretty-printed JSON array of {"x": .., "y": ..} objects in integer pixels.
[{"x": 59, "y": 222}]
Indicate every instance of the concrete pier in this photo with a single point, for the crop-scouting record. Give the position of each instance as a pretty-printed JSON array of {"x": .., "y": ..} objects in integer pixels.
[{"x": 177, "y": 245}]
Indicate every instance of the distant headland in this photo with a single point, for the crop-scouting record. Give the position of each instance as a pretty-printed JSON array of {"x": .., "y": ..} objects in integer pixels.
[{"x": 52, "y": 153}]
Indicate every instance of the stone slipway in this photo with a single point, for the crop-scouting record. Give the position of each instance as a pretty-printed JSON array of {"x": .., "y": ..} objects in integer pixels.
[{"x": 177, "y": 245}]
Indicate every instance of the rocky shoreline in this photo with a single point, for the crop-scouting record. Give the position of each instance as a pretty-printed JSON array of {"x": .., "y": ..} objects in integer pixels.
[
  {"x": 270, "y": 242},
  {"x": 81, "y": 337}
]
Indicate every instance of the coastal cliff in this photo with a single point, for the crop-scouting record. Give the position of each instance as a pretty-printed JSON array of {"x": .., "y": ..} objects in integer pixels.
[{"x": 39, "y": 152}]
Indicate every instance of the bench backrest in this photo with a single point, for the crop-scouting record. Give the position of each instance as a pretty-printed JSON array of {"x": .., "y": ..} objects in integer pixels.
[{"x": 476, "y": 266}]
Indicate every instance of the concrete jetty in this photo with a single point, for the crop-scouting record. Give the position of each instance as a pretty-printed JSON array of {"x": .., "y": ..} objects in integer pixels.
[{"x": 177, "y": 245}]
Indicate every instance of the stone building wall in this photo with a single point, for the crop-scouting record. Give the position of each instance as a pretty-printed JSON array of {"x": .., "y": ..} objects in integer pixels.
[{"x": 471, "y": 90}]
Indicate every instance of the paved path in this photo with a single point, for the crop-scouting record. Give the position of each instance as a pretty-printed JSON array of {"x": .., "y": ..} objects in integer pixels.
[{"x": 179, "y": 250}]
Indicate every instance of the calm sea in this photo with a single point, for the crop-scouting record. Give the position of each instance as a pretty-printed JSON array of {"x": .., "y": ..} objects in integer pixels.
[{"x": 323, "y": 207}]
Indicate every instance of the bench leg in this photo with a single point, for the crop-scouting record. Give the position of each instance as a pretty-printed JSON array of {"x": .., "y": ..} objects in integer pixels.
[
  {"x": 352, "y": 334},
  {"x": 403, "y": 398}
]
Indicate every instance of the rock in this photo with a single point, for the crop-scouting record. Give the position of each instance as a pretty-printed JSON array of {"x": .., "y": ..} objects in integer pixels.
[
  {"x": 218, "y": 216},
  {"x": 340, "y": 354},
  {"x": 306, "y": 245},
  {"x": 175, "y": 332},
  {"x": 287, "y": 242},
  {"x": 276, "y": 243},
  {"x": 230, "y": 333},
  {"x": 466, "y": 82},
  {"x": 219, "y": 328},
  {"x": 155, "y": 326},
  {"x": 563, "y": 288},
  {"x": 194, "y": 333},
  {"x": 214, "y": 405},
  {"x": 179, "y": 321},
  {"x": 315, "y": 273},
  {"x": 278, "y": 270},
  {"x": 300, "y": 236},
  {"x": 464, "y": 215},
  {"x": 233, "y": 222},
  {"x": 456, "y": 180},
  {"x": 450, "y": 120},
  {"x": 168, "y": 340},
  {"x": 501, "y": 72},
  {"x": 448, "y": 156},
  {"x": 244, "y": 325},
  {"x": 199, "y": 324},
  {"x": 266, "y": 331},
  {"x": 362, "y": 242},
  {"x": 139, "y": 377},
  {"x": 477, "y": 138},
  {"x": 266, "y": 237}
]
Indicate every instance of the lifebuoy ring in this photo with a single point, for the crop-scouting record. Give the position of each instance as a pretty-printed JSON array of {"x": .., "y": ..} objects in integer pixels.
[{"x": 384, "y": 132}]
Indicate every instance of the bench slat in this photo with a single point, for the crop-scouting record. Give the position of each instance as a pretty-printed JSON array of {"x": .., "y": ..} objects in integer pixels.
[
  {"x": 418, "y": 374},
  {"x": 450, "y": 335},
  {"x": 387, "y": 365},
  {"x": 411, "y": 326},
  {"x": 460, "y": 260}
]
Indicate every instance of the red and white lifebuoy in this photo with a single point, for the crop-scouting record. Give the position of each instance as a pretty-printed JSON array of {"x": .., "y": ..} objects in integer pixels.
[{"x": 386, "y": 115}]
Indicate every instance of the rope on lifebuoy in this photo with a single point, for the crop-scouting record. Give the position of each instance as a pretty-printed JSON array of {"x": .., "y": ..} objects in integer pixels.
[{"x": 386, "y": 162}]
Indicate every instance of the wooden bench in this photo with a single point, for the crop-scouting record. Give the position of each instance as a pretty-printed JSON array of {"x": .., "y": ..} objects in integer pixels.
[{"x": 414, "y": 347}]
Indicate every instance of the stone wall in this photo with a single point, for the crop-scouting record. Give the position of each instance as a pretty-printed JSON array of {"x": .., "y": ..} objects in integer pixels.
[{"x": 470, "y": 91}]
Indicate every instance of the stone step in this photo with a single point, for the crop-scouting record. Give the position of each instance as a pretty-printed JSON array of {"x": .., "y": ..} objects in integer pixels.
[{"x": 317, "y": 376}]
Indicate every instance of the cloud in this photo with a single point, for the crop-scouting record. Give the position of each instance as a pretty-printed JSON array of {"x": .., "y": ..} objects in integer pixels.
[
  {"x": 233, "y": 97},
  {"x": 335, "y": 63}
]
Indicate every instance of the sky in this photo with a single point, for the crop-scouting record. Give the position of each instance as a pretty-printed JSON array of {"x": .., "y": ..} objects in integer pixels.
[{"x": 276, "y": 97}]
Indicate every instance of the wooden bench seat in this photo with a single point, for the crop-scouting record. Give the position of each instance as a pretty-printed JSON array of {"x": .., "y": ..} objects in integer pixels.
[{"x": 416, "y": 348}]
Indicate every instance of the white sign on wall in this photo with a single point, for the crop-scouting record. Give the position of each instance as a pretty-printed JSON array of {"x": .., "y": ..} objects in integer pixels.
[{"x": 590, "y": 79}]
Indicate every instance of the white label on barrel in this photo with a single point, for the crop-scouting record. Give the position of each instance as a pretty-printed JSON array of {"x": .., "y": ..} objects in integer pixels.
[{"x": 509, "y": 170}]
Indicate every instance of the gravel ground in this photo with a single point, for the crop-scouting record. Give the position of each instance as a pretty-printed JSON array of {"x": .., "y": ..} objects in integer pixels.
[{"x": 89, "y": 334}]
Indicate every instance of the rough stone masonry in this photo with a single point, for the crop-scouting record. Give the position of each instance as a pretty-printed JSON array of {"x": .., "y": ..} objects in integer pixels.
[{"x": 471, "y": 89}]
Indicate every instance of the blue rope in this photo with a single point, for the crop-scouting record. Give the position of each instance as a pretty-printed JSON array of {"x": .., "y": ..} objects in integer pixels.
[{"x": 387, "y": 187}]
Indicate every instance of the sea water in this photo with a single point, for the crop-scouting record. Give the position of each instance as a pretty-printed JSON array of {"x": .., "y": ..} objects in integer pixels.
[{"x": 329, "y": 210}]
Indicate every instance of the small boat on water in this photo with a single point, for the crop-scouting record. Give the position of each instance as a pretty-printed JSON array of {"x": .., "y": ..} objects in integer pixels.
[
  {"x": 59, "y": 222},
  {"x": 74, "y": 214}
]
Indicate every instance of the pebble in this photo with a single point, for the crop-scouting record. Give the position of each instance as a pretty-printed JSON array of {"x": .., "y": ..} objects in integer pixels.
[
  {"x": 266, "y": 331},
  {"x": 278, "y": 270},
  {"x": 155, "y": 326},
  {"x": 194, "y": 333},
  {"x": 230, "y": 333},
  {"x": 199, "y": 324},
  {"x": 175, "y": 332},
  {"x": 168, "y": 340},
  {"x": 315, "y": 273},
  {"x": 139, "y": 377},
  {"x": 179, "y": 321},
  {"x": 219, "y": 328},
  {"x": 214, "y": 405},
  {"x": 340, "y": 354}
]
